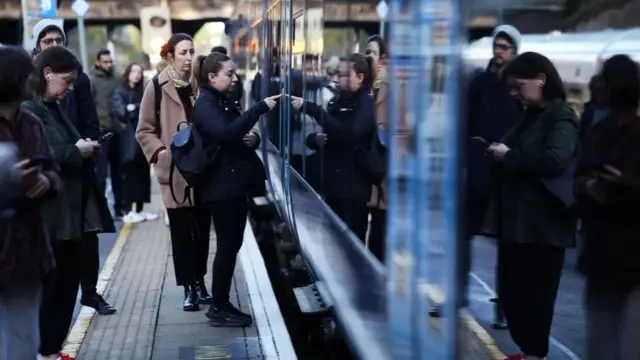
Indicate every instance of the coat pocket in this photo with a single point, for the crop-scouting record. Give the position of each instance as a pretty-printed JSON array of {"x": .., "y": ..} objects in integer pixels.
[{"x": 162, "y": 167}]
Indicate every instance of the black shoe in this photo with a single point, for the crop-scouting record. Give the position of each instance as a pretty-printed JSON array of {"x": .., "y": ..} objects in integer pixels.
[
  {"x": 203, "y": 294},
  {"x": 227, "y": 317},
  {"x": 230, "y": 308},
  {"x": 98, "y": 303},
  {"x": 191, "y": 301}
]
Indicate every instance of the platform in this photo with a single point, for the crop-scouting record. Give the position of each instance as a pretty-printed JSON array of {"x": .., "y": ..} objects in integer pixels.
[
  {"x": 138, "y": 279},
  {"x": 150, "y": 323}
]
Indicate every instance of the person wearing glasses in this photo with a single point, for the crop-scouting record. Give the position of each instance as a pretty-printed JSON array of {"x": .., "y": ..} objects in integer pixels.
[{"x": 491, "y": 111}]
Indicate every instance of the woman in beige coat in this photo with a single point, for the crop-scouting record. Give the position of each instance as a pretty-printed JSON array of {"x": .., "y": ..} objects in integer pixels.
[
  {"x": 189, "y": 223},
  {"x": 377, "y": 50}
]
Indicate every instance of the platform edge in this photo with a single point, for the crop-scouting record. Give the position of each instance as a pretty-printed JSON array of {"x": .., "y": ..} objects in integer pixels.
[
  {"x": 80, "y": 327},
  {"x": 269, "y": 324}
]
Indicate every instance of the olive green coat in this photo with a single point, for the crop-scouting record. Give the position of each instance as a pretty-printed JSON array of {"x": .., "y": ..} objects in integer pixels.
[
  {"x": 64, "y": 215},
  {"x": 543, "y": 145}
]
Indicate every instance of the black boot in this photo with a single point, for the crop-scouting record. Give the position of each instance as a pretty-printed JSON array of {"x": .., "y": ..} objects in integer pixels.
[
  {"x": 203, "y": 294},
  {"x": 191, "y": 301}
]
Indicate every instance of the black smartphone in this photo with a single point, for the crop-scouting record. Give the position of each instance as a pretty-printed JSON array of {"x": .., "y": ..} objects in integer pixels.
[
  {"x": 479, "y": 140},
  {"x": 105, "y": 137},
  {"x": 38, "y": 160}
]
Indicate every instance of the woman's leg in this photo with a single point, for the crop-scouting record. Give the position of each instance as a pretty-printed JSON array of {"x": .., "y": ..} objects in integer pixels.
[
  {"x": 229, "y": 219},
  {"x": 57, "y": 309},
  {"x": 181, "y": 226},
  {"x": 630, "y": 347},
  {"x": 604, "y": 311},
  {"x": 377, "y": 233},
  {"x": 532, "y": 292},
  {"x": 201, "y": 256},
  {"x": 19, "y": 315}
]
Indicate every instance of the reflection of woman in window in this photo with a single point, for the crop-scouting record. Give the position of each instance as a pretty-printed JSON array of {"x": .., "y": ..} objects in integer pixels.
[{"x": 377, "y": 51}]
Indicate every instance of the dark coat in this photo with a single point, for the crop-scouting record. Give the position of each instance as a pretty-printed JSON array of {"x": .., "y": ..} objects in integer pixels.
[
  {"x": 236, "y": 170},
  {"x": 611, "y": 252},
  {"x": 81, "y": 109},
  {"x": 349, "y": 122},
  {"x": 25, "y": 250},
  {"x": 491, "y": 112},
  {"x": 64, "y": 215},
  {"x": 136, "y": 181},
  {"x": 543, "y": 145}
]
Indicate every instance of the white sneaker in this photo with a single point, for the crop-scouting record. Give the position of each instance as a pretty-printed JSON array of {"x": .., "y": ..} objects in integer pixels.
[
  {"x": 149, "y": 216},
  {"x": 133, "y": 218}
]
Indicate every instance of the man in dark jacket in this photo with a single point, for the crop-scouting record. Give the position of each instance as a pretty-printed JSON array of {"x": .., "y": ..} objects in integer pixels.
[
  {"x": 491, "y": 111},
  {"x": 81, "y": 111}
]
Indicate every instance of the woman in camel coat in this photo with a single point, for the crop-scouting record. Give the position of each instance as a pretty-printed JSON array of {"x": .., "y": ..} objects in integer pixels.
[
  {"x": 377, "y": 50},
  {"x": 189, "y": 223}
]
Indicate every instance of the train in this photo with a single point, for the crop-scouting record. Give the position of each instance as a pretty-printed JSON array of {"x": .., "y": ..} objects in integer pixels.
[{"x": 577, "y": 56}]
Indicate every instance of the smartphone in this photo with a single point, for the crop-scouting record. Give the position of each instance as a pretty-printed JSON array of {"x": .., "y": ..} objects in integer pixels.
[
  {"x": 479, "y": 140},
  {"x": 38, "y": 160},
  {"x": 105, "y": 137}
]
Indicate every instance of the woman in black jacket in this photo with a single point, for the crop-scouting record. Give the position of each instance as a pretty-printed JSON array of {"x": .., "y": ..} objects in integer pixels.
[
  {"x": 348, "y": 125},
  {"x": 236, "y": 174},
  {"x": 136, "y": 181}
]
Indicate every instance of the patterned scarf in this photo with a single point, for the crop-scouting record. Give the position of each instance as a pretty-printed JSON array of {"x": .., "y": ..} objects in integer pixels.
[{"x": 175, "y": 78}]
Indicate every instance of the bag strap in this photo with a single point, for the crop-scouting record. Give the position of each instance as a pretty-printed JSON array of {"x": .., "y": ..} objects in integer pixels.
[
  {"x": 157, "y": 89},
  {"x": 187, "y": 190}
]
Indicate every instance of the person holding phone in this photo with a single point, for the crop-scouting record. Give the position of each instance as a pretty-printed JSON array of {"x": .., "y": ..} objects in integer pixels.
[
  {"x": 608, "y": 185},
  {"x": 535, "y": 223},
  {"x": 79, "y": 212},
  {"x": 25, "y": 254}
]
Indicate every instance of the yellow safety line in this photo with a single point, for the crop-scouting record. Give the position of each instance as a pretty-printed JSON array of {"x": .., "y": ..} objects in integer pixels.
[
  {"x": 436, "y": 295},
  {"x": 80, "y": 327}
]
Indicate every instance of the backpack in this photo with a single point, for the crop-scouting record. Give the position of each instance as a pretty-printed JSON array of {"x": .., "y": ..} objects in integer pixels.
[
  {"x": 373, "y": 160},
  {"x": 188, "y": 152}
]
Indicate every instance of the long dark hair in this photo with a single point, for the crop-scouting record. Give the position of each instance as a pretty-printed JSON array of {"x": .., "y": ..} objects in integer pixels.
[
  {"x": 529, "y": 66},
  {"x": 621, "y": 79},
  {"x": 124, "y": 80}
]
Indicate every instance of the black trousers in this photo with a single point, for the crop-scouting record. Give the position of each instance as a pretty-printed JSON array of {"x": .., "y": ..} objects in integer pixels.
[
  {"x": 529, "y": 277},
  {"x": 229, "y": 219},
  {"x": 189, "y": 228},
  {"x": 110, "y": 164},
  {"x": 378, "y": 232},
  {"x": 354, "y": 213},
  {"x": 90, "y": 264},
  {"x": 57, "y": 307}
]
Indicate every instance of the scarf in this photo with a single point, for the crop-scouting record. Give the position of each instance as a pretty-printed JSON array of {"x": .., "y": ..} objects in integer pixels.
[{"x": 175, "y": 78}]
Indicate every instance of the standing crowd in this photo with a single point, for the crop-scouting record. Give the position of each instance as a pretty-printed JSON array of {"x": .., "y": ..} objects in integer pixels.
[{"x": 533, "y": 171}]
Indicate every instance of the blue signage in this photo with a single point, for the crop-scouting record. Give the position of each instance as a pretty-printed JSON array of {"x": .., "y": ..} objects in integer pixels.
[{"x": 48, "y": 8}]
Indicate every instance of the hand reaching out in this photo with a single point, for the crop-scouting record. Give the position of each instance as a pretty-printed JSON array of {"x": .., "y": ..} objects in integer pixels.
[
  {"x": 296, "y": 102},
  {"x": 271, "y": 101}
]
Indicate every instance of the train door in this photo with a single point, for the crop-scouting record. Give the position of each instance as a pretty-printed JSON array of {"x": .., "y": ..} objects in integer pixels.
[{"x": 424, "y": 177}]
